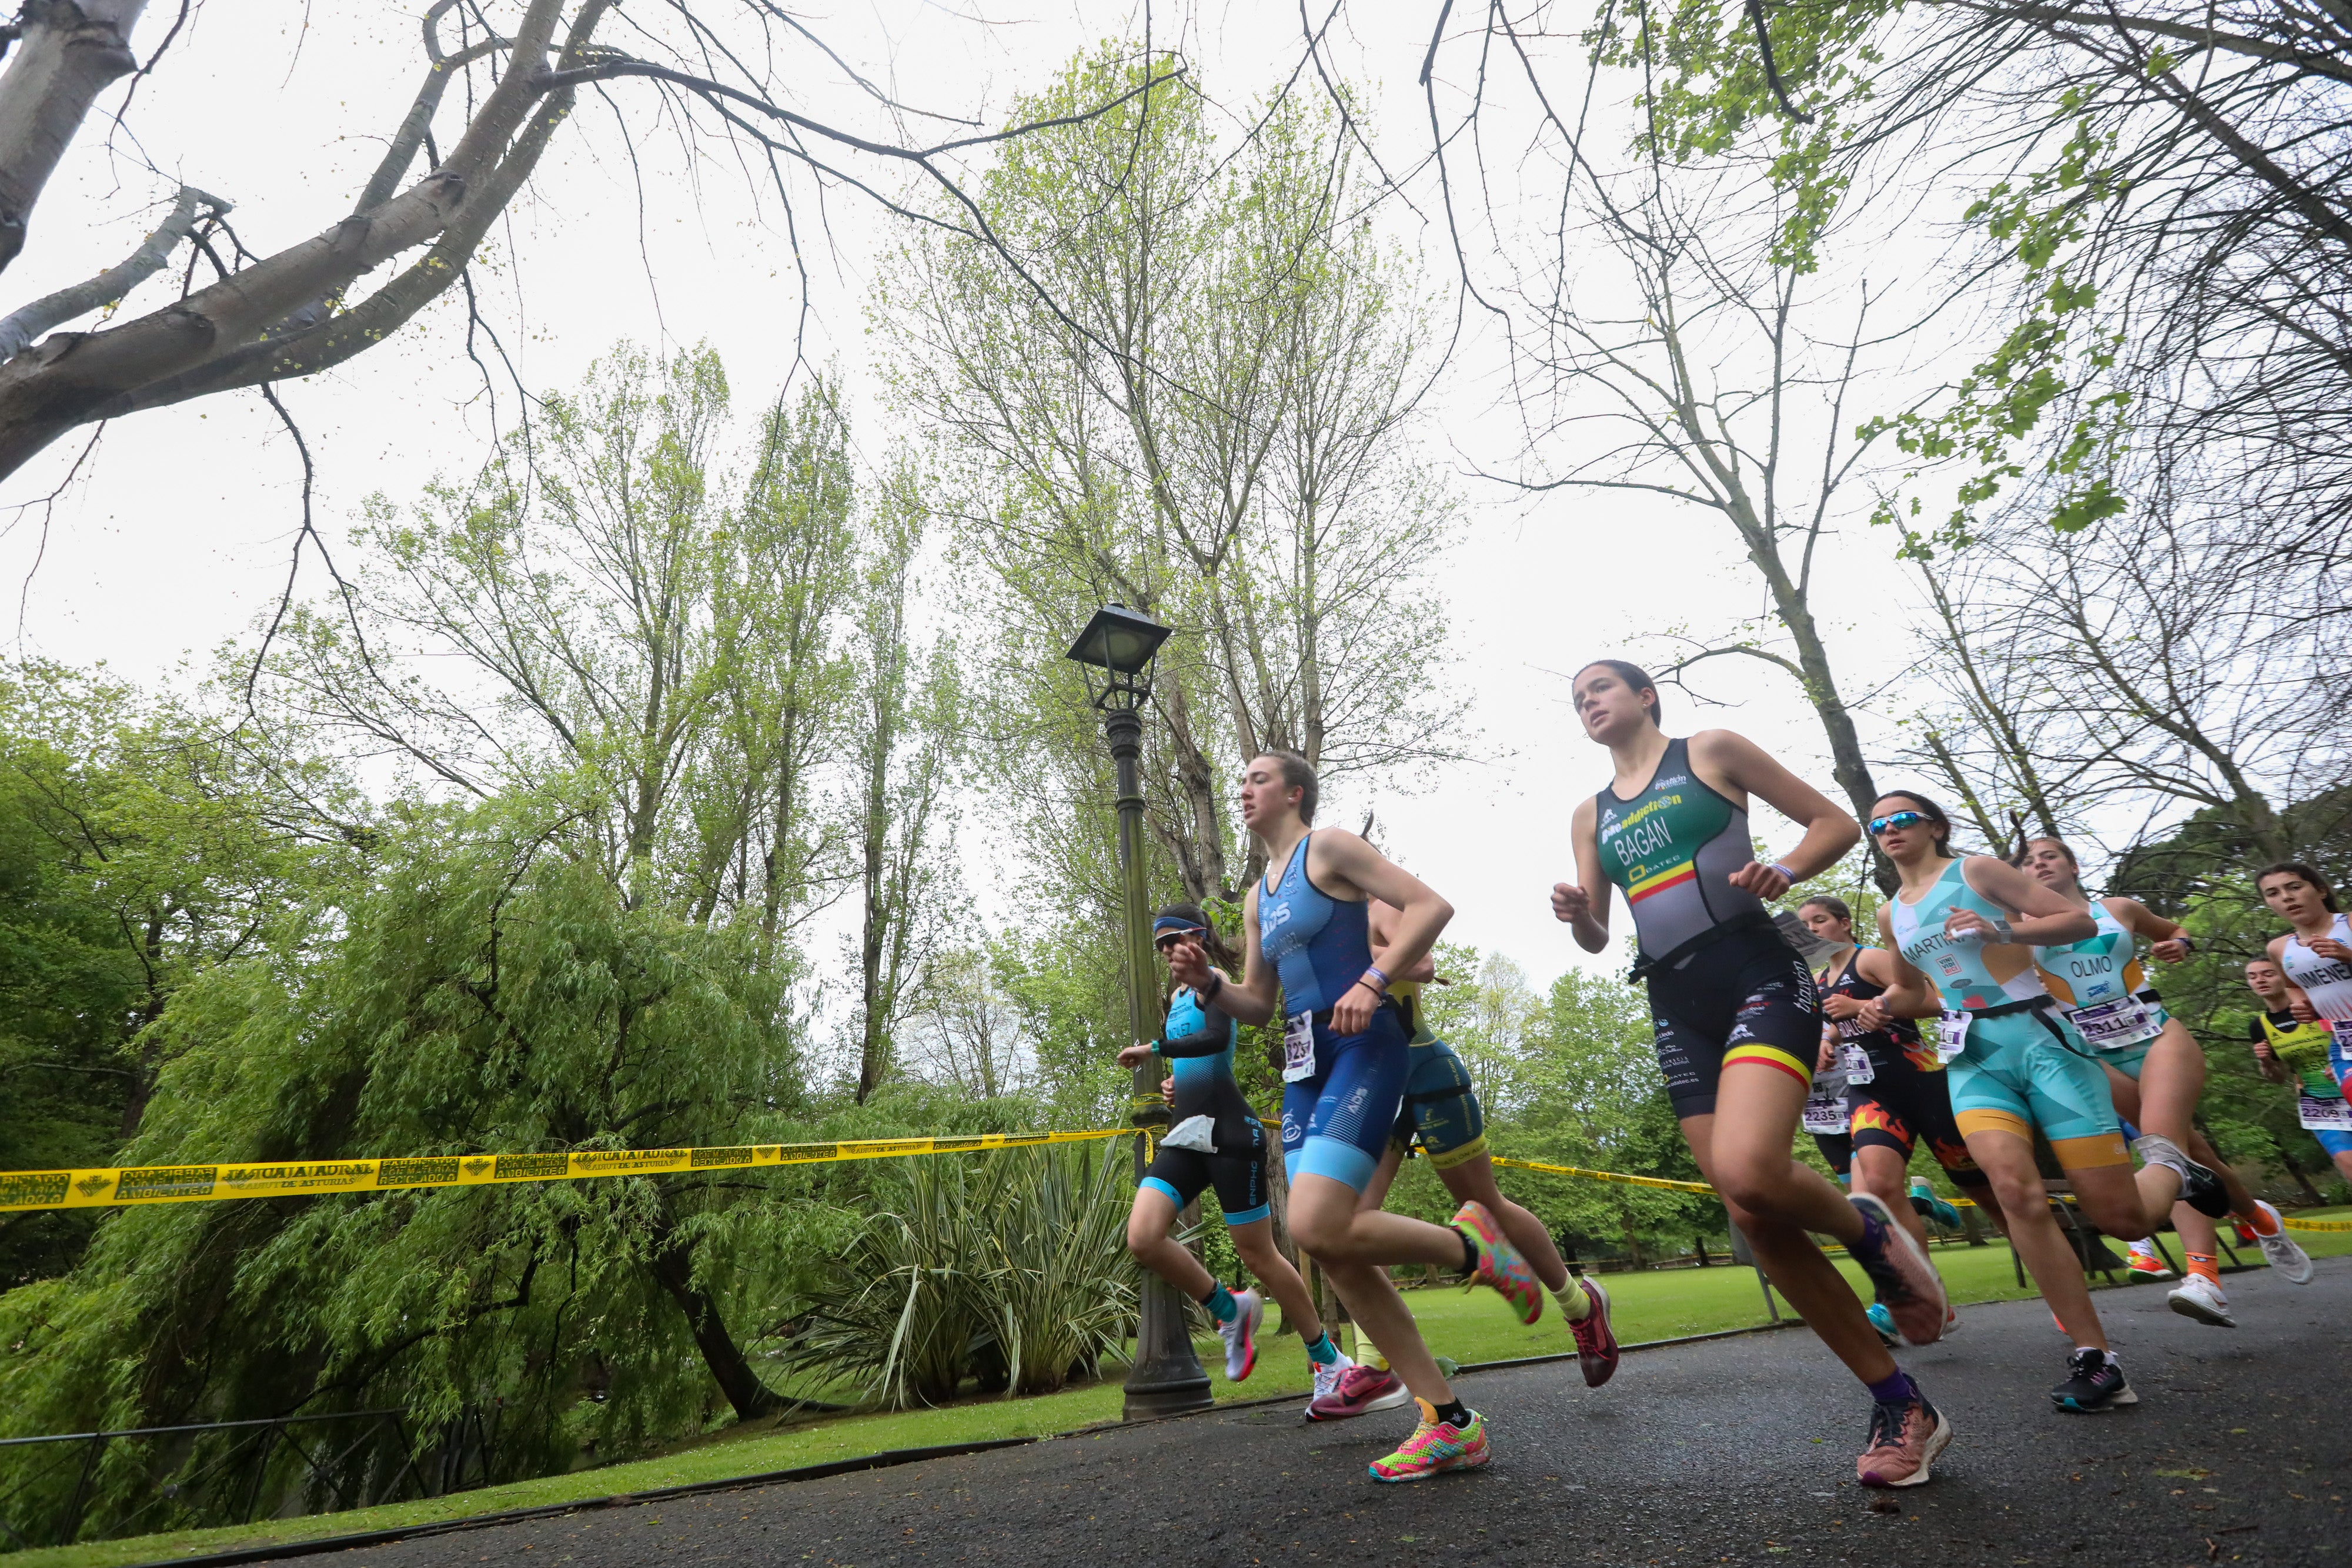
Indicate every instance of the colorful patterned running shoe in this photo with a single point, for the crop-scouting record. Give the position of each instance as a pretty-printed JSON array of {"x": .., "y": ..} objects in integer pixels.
[
  {"x": 1903, "y": 1277},
  {"x": 1596, "y": 1342},
  {"x": 2145, "y": 1263},
  {"x": 1360, "y": 1391},
  {"x": 1434, "y": 1447},
  {"x": 1904, "y": 1438},
  {"x": 1500, "y": 1267},
  {"x": 1241, "y": 1335}
]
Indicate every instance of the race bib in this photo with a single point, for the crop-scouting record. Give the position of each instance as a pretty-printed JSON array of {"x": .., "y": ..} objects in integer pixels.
[
  {"x": 1855, "y": 1062},
  {"x": 2340, "y": 1031},
  {"x": 1825, "y": 1110},
  {"x": 1297, "y": 1046},
  {"x": 1952, "y": 1034},
  {"x": 2112, "y": 1026},
  {"x": 2330, "y": 1115}
]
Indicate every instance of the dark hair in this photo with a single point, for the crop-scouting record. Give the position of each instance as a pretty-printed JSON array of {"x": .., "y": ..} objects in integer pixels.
[
  {"x": 1222, "y": 956},
  {"x": 1298, "y": 773},
  {"x": 1634, "y": 676},
  {"x": 2304, "y": 869},
  {"x": 1834, "y": 904},
  {"x": 1928, "y": 808},
  {"x": 2025, "y": 847}
]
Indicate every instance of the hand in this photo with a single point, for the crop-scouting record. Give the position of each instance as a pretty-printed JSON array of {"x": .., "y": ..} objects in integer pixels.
[
  {"x": 1968, "y": 922},
  {"x": 2171, "y": 950},
  {"x": 1570, "y": 902},
  {"x": 1188, "y": 963},
  {"x": 1873, "y": 1014},
  {"x": 1167, "y": 1092},
  {"x": 1136, "y": 1055},
  {"x": 2303, "y": 1011},
  {"x": 1352, "y": 1013},
  {"x": 2263, "y": 1052},
  {"x": 1842, "y": 1007},
  {"x": 1828, "y": 1053},
  {"x": 1766, "y": 881},
  {"x": 2329, "y": 948}
]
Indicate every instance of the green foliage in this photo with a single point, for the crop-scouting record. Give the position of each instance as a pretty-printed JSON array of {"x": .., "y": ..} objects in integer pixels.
[{"x": 1005, "y": 1271}]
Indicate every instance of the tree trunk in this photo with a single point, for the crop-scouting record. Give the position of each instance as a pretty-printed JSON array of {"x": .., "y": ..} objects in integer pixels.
[
  {"x": 63, "y": 61},
  {"x": 673, "y": 1268}
]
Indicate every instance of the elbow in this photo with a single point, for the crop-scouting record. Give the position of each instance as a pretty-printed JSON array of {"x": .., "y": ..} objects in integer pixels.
[{"x": 1444, "y": 912}]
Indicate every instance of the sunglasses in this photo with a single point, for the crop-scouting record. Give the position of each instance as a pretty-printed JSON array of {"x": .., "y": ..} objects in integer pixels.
[
  {"x": 1897, "y": 819},
  {"x": 1168, "y": 939}
]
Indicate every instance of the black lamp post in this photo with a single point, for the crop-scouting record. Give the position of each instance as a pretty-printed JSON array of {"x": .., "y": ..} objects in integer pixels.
[{"x": 1116, "y": 651}]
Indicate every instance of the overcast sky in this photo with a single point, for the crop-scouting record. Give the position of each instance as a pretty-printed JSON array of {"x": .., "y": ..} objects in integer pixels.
[{"x": 176, "y": 533}]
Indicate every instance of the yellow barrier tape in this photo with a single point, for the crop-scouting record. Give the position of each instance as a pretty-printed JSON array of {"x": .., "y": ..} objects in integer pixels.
[
  {"x": 2293, "y": 1224},
  {"x": 1661, "y": 1182},
  {"x": 117, "y": 1184}
]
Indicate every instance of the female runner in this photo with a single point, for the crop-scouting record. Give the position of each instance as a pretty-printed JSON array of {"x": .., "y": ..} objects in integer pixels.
[
  {"x": 2016, "y": 1064},
  {"x": 1344, "y": 1065},
  {"x": 2155, "y": 1069},
  {"x": 2289, "y": 1050},
  {"x": 1896, "y": 1086},
  {"x": 1443, "y": 1115},
  {"x": 1738, "y": 1025},
  {"x": 2316, "y": 959},
  {"x": 1215, "y": 1141}
]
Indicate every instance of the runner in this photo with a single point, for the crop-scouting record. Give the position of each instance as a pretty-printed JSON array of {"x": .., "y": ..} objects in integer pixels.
[
  {"x": 1898, "y": 1092},
  {"x": 2016, "y": 1063},
  {"x": 2157, "y": 1070},
  {"x": 1443, "y": 1115},
  {"x": 1345, "y": 1061},
  {"x": 2316, "y": 959},
  {"x": 1738, "y": 1025},
  {"x": 2289, "y": 1050},
  {"x": 1213, "y": 1140}
]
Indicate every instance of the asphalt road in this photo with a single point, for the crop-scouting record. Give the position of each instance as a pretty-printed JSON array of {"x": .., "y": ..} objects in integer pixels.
[{"x": 1737, "y": 1450}]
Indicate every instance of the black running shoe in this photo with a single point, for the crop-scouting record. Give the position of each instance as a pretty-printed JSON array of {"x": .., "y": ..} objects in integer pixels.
[
  {"x": 2200, "y": 1190},
  {"x": 2094, "y": 1382}
]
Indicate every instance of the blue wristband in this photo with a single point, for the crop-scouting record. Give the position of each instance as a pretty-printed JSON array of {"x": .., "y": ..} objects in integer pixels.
[{"x": 1782, "y": 867}]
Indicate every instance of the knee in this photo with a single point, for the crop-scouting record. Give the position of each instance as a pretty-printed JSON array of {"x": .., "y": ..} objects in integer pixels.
[
  {"x": 1757, "y": 1187},
  {"x": 2019, "y": 1197},
  {"x": 1321, "y": 1231},
  {"x": 1142, "y": 1234}
]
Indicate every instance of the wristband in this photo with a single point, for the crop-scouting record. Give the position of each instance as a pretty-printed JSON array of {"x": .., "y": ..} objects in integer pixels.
[
  {"x": 1373, "y": 971},
  {"x": 2187, "y": 943},
  {"x": 1782, "y": 867}
]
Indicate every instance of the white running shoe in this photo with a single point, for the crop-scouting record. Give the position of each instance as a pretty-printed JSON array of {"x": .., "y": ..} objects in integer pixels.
[
  {"x": 2200, "y": 1297},
  {"x": 1327, "y": 1378},
  {"x": 2280, "y": 1251},
  {"x": 1241, "y": 1335}
]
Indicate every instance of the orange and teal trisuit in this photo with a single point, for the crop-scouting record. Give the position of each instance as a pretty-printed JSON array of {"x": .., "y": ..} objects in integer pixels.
[
  {"x": 2104, "y": 991},
  {"x": 2021, "y": 1064},
  {"x": 1725, "y": 986}
]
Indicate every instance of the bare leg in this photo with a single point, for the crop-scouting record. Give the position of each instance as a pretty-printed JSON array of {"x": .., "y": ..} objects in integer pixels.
[
  {"x": 1885, "y": 1174},
  {"x": 1255, "y": 1243},
  {"x": 1775, "y": 1201},
  {"x": 2007, "y": 1160},
  {"x": 1149, "y": 1241},
  {"x": 1376, "y": 1191},
  {"x": 1355, "y": 1245},
  {"x": 1472, "y": 1181}
]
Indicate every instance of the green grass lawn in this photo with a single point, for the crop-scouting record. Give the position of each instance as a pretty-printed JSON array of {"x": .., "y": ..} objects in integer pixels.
[{"x": 1467, "y": 1326}]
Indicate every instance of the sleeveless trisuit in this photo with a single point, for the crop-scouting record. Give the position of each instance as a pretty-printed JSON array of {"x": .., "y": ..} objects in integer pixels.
[
  {"x": 1907, "y": 1095},
  {"x": 1199, "y": 1045},
  {"x": 2105, "y": 993}
]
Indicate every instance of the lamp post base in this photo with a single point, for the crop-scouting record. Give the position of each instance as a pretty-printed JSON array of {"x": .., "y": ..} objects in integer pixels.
[{"x": 1167, "y": 1379}]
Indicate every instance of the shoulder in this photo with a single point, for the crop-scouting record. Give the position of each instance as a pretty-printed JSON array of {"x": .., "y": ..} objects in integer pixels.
[
  {"x": 2127, "y": 910},
  {"x": 1725, "y": 760},
  {"x": 1876, "y": 964},
  {"x": 1587, "y": 812},
  {"x": 2276, "y": 946},
  {"x": 2254, "y": 1027}
]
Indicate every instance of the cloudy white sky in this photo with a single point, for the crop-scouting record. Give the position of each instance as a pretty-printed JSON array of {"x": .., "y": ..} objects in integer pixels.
[{"x": 175, "y": 534}]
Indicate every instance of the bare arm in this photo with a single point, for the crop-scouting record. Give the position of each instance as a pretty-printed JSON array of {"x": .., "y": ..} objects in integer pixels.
[
  {"x": 1342, "y": 858},
  {"x": 1829, "y": 832},
  {"x": 2170, "y": 940},
  {"x": 1383, "y": 928},
  {"x": 1583, "y": 904},
  {"x": 2042, "y": 918},
  {"x": 1249, "y": 998}
]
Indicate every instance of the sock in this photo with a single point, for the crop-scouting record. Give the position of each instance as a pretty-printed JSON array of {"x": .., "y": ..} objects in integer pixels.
[
  {"x": 2144, "y": 1249},
  {"x": 1469, "y": 1253},
  {"x": 1894, "y": 1389},
  {"x": 1321, "y": 1349},
  {"x": 2263, "y": 1221},
  {"x": 2205, "y": 1263},
  {"x": 1220, "y": 1303},
  {"x": 2107, "y": 1355},
  {"x": 1873, "y": 1236},
  {"x": 1573, "y": 1301},
  {"x": 1454, "y": 1413}
]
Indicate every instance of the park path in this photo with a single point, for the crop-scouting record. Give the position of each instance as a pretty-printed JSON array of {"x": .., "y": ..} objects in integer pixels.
[{"x": 1737, "y": 1450}]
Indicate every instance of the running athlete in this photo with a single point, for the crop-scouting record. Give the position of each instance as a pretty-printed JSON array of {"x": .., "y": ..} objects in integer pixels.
[
  {"x": 1897, "y": 1090},
  {"x": 2016, "y": 1063},
  {"x": 2157, "y": 1070},
  {"x": 2316, "y": 959},
  {"x": 1344, "y": 1065},
  {"x": 1739, "y": 1026},
  {"x": 1214, "y": 1140},
  {"x": 1443, "y": 1115},
  {"x": 2289, "y": 1050}
]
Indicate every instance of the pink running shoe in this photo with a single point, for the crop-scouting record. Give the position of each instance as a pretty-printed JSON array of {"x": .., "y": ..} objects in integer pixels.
[
  {"x": 1596, "y": 1342},
  {"x": 1904, "y": 1440},
  {"x": 1906, "y": 1282},
  {"x": 1360, "y": 1391},
  {"x": 1500, "y": 1266}
]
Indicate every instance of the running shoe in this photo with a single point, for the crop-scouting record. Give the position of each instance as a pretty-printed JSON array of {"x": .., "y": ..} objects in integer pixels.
[
  {"x": 1902, "y": 1276},
  {"x": 1434, "y": 1447},
  {"x": 2279, "y": 1248},
  {"x": 1927, "y": 1205},
  {"x": 1327, "y": 1378},
  {"x": 2200, "y": 1297},
  {"x": 1883, "y": 1321},
  {"x": 1358, "y": 1391},
  {"x": 1596, "y": 1342},
  {"x": 1904, "y": 1438},
  {"x": 2094, "y": 1381},
  {"x": 1241, "y": 1335},
  {"x": 2146, "y": 1264},
  {"x": 1500, "y": 1267},
  {"x": 2200, "y": 1190}
]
